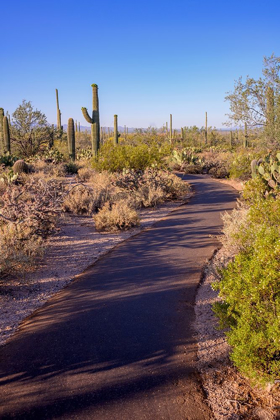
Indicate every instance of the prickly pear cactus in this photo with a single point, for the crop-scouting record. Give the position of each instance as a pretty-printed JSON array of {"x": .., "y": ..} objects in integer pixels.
[{"x": 269, "y": 169}]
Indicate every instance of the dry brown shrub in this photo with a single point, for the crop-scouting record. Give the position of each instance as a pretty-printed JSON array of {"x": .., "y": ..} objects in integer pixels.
[
  {"x": 79, "y": 200},
  {"x": 119, "y": 216},
  {"x": 85, "y": 173},
  {"x": 47, "y": 169},
  {"x": 28, "y": 213}
]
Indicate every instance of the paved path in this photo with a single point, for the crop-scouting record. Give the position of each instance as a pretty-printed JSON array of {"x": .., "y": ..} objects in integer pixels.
[{"x": 118, "y": 343}]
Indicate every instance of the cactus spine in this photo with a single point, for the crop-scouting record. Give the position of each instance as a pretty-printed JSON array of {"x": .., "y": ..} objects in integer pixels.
[
  {"x": 6, "y": 135},
  {"x": 71, "y": 138},
  {"x": 94, "y": 120},
  {"x": 170, "y": 133},
  {"x": 116, "y": 134},
  {"x": 1, "y": 127},
  {"x": 58, "y": 113},
  {"x": 206, "y": 128}
]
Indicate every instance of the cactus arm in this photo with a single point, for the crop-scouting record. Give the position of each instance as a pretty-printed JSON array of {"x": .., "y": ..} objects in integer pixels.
[{"x": 86, "y": 115}]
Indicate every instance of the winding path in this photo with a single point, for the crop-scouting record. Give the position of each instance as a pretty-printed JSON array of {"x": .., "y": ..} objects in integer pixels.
[{"x": 118, "y": 343}]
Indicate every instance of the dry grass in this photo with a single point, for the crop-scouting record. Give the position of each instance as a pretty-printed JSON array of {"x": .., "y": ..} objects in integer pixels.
[{"x": 120, "y": 216}]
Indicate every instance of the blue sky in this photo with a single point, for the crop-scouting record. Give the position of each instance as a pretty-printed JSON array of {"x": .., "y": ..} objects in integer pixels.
[{"x": 149, "y": 58}]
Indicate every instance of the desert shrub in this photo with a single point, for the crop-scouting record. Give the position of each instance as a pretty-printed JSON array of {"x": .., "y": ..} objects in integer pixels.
[
  {"x": 79, "y": 200},
  {"x": 87, "y": 199},
  {"x": 71, "y": 168},
  {"x": 219, "y": 172},
  {"x": 119, "y": 216},
  {"x": 240, "y": 166},
  {"x": 45, "y": 169},
  {"x": 150, "y": 187},
  {"x": 28, "y": 213},
  {"x": 84, "y": 174},
  {"x": 251, "y": 308},
  {"x": 193, "y": 169},
  {"x": 138, "y": 157},
  {"x": 250, "y": 287},
  {"x": 19, "y": 248},
  {"x": 7, "y": 159}
]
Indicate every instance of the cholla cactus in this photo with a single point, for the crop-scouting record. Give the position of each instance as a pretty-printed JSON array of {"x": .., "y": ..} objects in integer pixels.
[{"x": 94, "y": 120}]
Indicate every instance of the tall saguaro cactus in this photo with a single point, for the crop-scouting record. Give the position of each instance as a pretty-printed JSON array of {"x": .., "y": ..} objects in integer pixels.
[
  {"x": 116, "y": 134},
  {"x": 6, "y": 135},
  {"x": 170, "y": 133},
  {"x": 58, "y": 113},
  {"x": 206, "y": 128},
  {"x": 71, "y": 138},
  {"x": 1, "y": 127},
  {"x": 245, "y": 144},
  {"x": 94, "y": 120}
]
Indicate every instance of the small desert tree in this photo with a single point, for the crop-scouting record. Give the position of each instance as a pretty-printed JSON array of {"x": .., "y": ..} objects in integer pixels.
[
  {"x": 30, "y": 132},
  {"x": 257, "y": 102}
]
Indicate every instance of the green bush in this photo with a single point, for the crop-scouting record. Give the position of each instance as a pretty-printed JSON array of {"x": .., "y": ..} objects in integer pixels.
[
  {"x": 250, "y": 292},
  {"x": 116, "y": 158}
]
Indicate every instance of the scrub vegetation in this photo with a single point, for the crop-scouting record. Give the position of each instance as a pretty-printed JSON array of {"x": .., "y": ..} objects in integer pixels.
[{"x": 111, "y": 174}]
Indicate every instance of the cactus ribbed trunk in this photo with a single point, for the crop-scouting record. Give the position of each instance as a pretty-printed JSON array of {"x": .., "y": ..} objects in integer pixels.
[
  {"x": 79, "y": 127},
  {"x": 116, "y": 134},
  {"x": 58, "y": 113},
  {"x": 71, "y": 139},
  {"x": 231, "y": 139},
  {"x": 76, "y": 127},
  {"x": 206, "y": 128},
  {"x": 245, "y": 135},
  {"x": 182, "y": 133},
  {"x": 6, "y": 135},
  {"x": 94, "y": 120},
  {"x": 1, "y": 128},
  {"x": 170, "y": 133}
]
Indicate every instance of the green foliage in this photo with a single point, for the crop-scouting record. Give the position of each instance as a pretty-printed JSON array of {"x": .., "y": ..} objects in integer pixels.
[
  {"x": 71, "y": 168},
  {"x": 115, "y": 159},
  {"x": 257, "y": 102},
  {"x": 240, "y": 167},
  {"x": 8, "y": 159},
  {"x": 30, "y": 133},
  {"x": 250, "y": 288}
]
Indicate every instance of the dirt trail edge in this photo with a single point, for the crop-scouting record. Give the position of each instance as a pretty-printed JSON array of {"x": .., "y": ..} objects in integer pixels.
[{"x": 118, "y": 342}]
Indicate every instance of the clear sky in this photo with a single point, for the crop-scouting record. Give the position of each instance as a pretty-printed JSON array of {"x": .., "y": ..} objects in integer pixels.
[{"x": 149, "y": 58}]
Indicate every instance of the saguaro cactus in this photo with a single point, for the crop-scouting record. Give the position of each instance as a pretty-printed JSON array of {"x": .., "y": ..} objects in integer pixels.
[
  {"x": 71, "y": 138},
  {"x": 1, "y": 127},
  {"x": 58, "y": 113},
  {"x": 94, "y": 120},
  {"x": 6, "y": 134},
  {"x": 206, "y": 128},
  {"x": 170, "y": 133},
  {"x": 116, "y": 134},
  {"x": 245, "y": 144}
]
